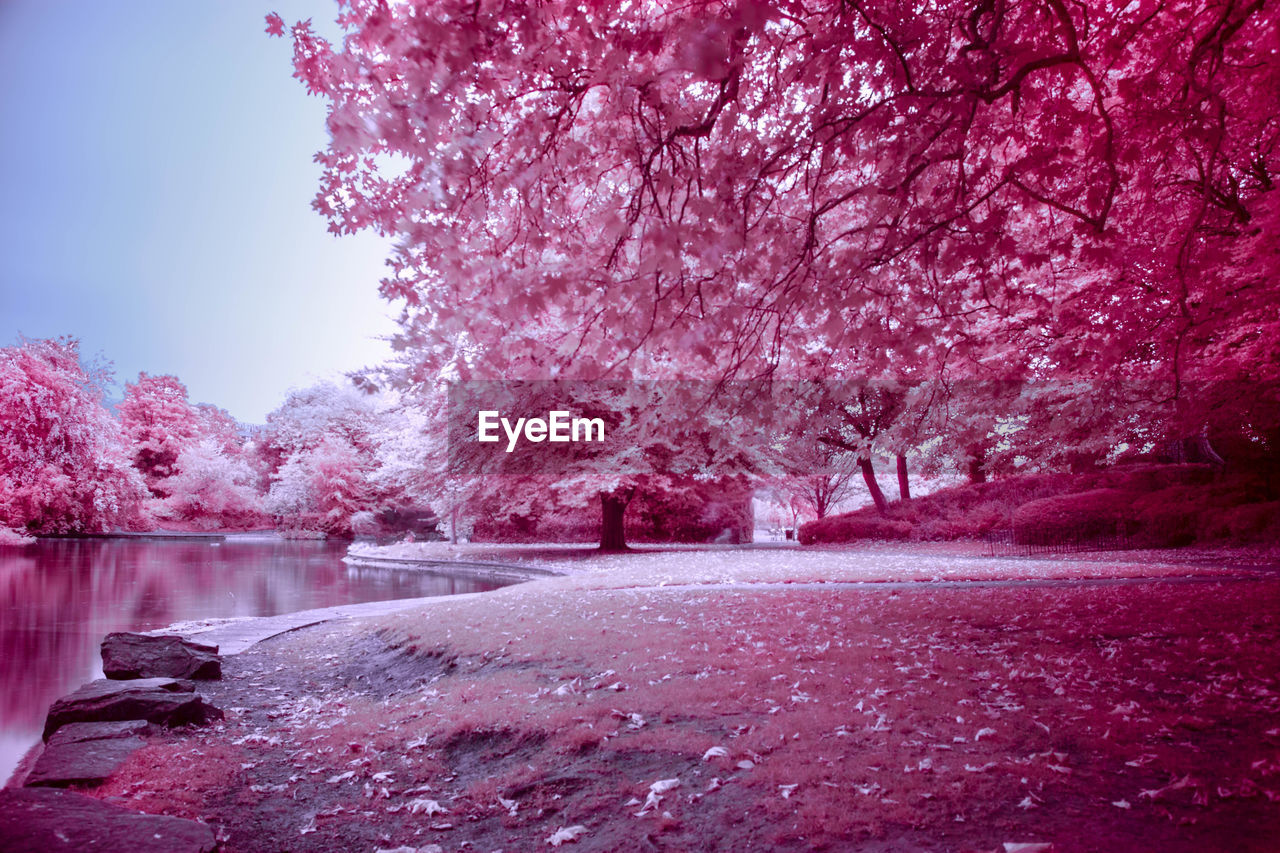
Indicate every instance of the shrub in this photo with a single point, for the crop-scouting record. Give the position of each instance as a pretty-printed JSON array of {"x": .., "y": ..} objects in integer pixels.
[
  {"x": 1170, "y": 517},
  {"x": 1079, "y": 516},
  {"x": 1150, "y": 478},
  {"x": 852, "y": 527},
  {"x": 1249, "y": 522},
  {"x": 14, "y": 537},
  {"x": 1159, "y": 506}
]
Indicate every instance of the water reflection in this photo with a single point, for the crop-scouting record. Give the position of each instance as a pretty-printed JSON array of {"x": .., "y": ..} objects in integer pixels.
[{"x": 58, "y": 598}]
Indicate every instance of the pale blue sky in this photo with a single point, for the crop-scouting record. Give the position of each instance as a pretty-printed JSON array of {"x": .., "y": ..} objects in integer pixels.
[{"x": 156, "y": 176}]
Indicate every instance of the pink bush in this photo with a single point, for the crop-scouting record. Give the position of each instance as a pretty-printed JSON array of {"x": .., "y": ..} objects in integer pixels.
[
  {"x": 1158, "y": 505},
  {"x": 1251, "y": 522},
  {"x": 1097, "y": 512},
  {"x": 852, "y": 527},
  {"x": 13, "y": 537}
]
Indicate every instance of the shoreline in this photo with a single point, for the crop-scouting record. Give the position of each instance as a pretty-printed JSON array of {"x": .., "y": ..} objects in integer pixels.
[
  {"x": 747, "y": 699},
  {"x": 502, "y": 718},
  {"x": 483, "y": 570}
]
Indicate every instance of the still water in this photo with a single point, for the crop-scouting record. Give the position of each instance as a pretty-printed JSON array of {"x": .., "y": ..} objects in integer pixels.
[{"x": 58, "y": 598}]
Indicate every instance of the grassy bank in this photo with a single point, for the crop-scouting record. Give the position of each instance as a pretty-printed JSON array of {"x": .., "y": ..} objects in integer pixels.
[{"x": 1096, "y": 716}]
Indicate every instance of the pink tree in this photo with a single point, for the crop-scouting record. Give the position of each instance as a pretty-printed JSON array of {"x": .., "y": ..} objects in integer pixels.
[
  {"x": 160, "y": 424},
  {"x": 712, "y": 176},
  {"x": 661, "y": 440},
  {"x": 327, "y": 409},
  {"x": 64, "y": 467},
  {"x": 821, "y": 477},
  {"x": 319, "y": 455},
  {"x": 321, "y": 488},
  {"x": 211, "y": 489},
  {"x": 190, "y": 455},
  {"x": 1030, "y": 191}
]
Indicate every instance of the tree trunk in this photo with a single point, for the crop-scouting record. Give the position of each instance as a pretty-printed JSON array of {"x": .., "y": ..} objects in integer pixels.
[
  {"x": 976, "y": 474},
  {"x": 904, "y": 484},
  {"x": 613, "y": 507},
  {"x": 820, "y": 496},
  {"x": 869, "y": 476}
]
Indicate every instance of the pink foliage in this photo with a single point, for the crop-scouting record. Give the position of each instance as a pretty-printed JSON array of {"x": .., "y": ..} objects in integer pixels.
[
  {"x": 321, "y": 488},
  {"x": 308, "y": 415},
  {"x": 160, "y": 423},
  {"x": 218, "y": 426},
  {"x": 729, "y": 183},
  {"x": 677, "y": 462},
  {"x": 191, "y": 456},
  {"x": 211, "y": 490},
  {"x": 64, "y": 467},
  {"x": 923, "y": 194},
  {"x": 852, "y": 527},
  {"x": 320, "y": 454},
  {"x": 1096, "y": 512}
]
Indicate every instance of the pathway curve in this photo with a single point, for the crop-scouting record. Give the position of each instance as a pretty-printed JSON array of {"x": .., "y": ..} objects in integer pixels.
[{"x": 235, "y": 636}]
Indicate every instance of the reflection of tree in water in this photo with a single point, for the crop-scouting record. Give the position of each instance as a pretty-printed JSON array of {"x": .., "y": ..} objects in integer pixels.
[
  {"x": 68, "y": 595},
  {"x": 58, "y": 598},
  {"x": 21, "y": 645},
  {"x": 153, "y": 604}
]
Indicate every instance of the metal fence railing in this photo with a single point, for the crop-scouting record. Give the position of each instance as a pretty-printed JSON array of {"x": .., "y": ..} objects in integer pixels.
[{"x": 1031, "y": 540}]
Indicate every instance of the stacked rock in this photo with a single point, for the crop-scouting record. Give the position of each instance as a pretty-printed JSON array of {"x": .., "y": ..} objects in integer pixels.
[{"x": 150, "y": 682}]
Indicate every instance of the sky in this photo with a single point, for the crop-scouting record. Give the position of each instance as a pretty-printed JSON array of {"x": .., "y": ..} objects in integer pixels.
[{"x": 156, "y": 179}]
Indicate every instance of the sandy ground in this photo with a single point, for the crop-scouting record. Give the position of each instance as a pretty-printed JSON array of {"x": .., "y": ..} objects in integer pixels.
[{"x": 697, "y": 700}]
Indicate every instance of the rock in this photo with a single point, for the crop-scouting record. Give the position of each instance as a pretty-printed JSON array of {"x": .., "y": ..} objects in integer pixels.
[
  {"x": 76, "y": 732},
  {"x": 48, "y": 820},
  {"x": 86, "y": 753},
  {"x": 126, "y": 655},
  {"x": 164, "y": 701},
  {"x": 81, "y": 762}
]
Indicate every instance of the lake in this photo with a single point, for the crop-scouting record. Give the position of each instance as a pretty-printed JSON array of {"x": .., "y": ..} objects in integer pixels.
[{"x": 60, "y": 597}]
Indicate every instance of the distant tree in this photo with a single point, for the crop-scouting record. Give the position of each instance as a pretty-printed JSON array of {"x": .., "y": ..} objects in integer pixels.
[
  {"x": 211, "y": 489},
  {"x": 327, "y": 409},
  {"x": 160, "y": 423},
  {"x": 219, "y": 426},
  {"x": 321, "y": 488},
  {"x": 821, "y": 479},
  {"x": 663, "y": 440},
  {"x": 322, "y": 453},
  {"x": 191, "y": 456},
  {"x": 857, "y": 417},
  {"x": 64, "y": 464}
]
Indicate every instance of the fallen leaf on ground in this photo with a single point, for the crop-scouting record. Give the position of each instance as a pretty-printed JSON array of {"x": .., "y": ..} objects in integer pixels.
[
  {"x": 566, "y": 834},
  {"x": 428, "y": 807}
]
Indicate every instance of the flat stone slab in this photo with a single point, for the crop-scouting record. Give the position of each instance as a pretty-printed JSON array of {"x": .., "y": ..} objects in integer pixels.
[
  {"x": 81, "y": 762},
  {"x": 49, "y": 820},
  {"x": 128, "y": 655},
  {"x": 76, "y": 732},
  {"x": 164, "y": 701},
  {"x": 86, "y": 753}
]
